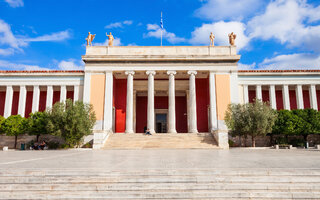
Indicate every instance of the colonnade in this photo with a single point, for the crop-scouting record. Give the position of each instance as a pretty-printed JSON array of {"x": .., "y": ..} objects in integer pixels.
[
  {"x": 35, "y": 98},
  {"x": 192, "y": 111},
  {"x": 285, "y": 95}
]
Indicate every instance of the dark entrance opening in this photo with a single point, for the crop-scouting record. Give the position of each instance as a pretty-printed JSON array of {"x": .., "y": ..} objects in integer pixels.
[{"x": 161, "y": 123}]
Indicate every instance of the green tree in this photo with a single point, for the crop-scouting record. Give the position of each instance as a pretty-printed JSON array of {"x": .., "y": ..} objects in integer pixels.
[
  {"x": 37, "y": 124},
  {"x": 1, "y": 121},
  {"x": 308, "y": 123},
  {"x": 71, "y": 121},
  {"x": 14, "y": 126},
  {"x": 237, "y": 119},
  {"x": 254, "y": 119}
]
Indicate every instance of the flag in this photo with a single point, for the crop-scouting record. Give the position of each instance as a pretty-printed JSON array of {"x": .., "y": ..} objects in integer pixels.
[{"x": 161, "y": 22}]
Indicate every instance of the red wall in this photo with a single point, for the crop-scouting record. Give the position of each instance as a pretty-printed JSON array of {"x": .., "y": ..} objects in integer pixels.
[
  {"x": 15, "y": 103},
  {"x": 141, "y": 113},
  {"x": 181, "y": 115},
  {"x": 2, "y": 102},
  {"x": 43, "y": 101},
  {"x": 279, "y": 100},
  {"x": 293, "y": 99},
  {"x": 120, "y": 104},
  {"x": 28, "y": 103},
  {"x": 306, "y": 99},
  {"x": 265, "y": 96},
  {"x": 161, "y": 102},
  {"x": 70, "y": 95},
  {"x": 318, "y": 98},
  {"x": 202, "y": 98},
  {"x": 56, "y": 97},
  {"x": 252, "y": 95}
]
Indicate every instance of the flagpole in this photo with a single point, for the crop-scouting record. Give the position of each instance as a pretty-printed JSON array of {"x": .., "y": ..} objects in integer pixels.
[{"x": 161, "y": 27}]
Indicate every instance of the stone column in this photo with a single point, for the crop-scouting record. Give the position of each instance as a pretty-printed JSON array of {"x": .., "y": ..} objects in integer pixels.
[
  {"x": 150, "y": 122},
  {"x": 299, "y": 97},
  {"x": 49, "y": 96},
  {"x": 22, "y": 100},
  {"x": 245, "y": 94},
  {"x": 258, "y": 92},
  {"x": 63, "y": 93},
  {"x": 213, "y": 102},
  {"x": 75, "y": 93},
  {"x": 129, "y": 110},
  {"x": 285, "y": 96},
  {"x": 36, "y": 98},
  {"x": 192, "y": 102},
  {"x": 272, "y": 94},
  {"x": 172, "y": 103},
  {"x": 108, "y": 102},
  {"x": 86, "y": 87},
  {"x": 313, "y": 97},
  {"x": 8, "y": 101}
]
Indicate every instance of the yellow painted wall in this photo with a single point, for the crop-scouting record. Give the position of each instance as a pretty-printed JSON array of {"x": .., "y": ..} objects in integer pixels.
[
  {"x": 97, "y": 94},
  {"x": 222, "y": 94}
]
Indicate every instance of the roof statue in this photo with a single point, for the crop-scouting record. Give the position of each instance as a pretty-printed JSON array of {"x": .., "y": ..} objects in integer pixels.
[
  {"x": 90, "y": 39},
  {"x": 232, "y": 38},
  {"x": 111, "y": 38},
  {"x": 211, "y": 39}
]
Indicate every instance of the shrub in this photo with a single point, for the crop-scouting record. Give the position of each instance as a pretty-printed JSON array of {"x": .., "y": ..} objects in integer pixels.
[
  {"x": 1, "y": 121},
  {"x": 14, "y": 126},
  {"x": 71, "y": 121}
]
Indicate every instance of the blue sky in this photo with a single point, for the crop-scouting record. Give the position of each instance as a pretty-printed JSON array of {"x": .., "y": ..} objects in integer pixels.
[{"x": 50, "y": 34}]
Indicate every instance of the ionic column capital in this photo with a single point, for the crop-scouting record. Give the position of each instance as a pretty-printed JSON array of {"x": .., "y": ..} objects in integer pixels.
[
  {"x": 192, "y": 72},
  {"x": 129, "y": 73},
  {"x": 171, "y": 72},
  {"x": 152, "y": 73}
]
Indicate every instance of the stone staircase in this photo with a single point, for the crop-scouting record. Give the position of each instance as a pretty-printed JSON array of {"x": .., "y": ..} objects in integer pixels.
[
  {"x": 228, "y": 183},
  {"x": 160, "y": 140}
]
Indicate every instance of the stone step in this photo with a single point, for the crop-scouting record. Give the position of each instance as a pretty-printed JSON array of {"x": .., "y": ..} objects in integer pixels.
[
  {"x": 275, "y": 187},
  {"x": 169, "y": 172},
  {"x": 160, "y": 179},
  {"x": 198, "y": 194}
]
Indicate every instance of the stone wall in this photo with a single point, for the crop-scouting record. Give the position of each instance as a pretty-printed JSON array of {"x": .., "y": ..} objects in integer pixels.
[{"x": 266, "y": 142}]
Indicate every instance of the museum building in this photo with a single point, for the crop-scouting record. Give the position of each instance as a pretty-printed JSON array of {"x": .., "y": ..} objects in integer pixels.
[{"x": 168, "y": 89}]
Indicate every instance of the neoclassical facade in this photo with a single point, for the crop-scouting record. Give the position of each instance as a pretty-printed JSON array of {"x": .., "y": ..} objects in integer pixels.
[{"x": 172, "y": 89}]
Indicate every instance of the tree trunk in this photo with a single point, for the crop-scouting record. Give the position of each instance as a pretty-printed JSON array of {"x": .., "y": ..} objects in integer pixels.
[
  {"x": 240, "y": 141},
  {"x": 253, "y": 141},
  {"x": 245, "y": 140},
  {"x": 38, "y": 138},
  {"x": 271, "y": 140},
  {"x": 15, "y": 141}
]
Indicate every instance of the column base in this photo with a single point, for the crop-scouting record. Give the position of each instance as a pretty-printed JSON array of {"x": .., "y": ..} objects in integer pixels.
[
  {"x": 221, "y": 137},
  {"x": 172, "y": 131},
  {"x": 152, "y": 131},
  {"x": 129, "y": 131},
  {"x": 193, "y": 131}
]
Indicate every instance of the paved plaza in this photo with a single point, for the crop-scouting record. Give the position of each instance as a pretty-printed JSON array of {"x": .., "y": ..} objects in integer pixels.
[{"x": 161, "y": 159}]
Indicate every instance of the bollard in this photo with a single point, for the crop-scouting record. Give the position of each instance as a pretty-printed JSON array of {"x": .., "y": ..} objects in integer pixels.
[
  {"x": 5, "y": 148},
  {"x": 318, "y": 146},
  {"x": 290, "y": 146},
  {"x": 276, "y": 146}
]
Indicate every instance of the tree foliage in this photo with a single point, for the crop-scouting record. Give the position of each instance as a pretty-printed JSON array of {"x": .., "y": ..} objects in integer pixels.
[
  {"x": 14, "y": 126},
  {"x": 254, "y": 119},
  {"x": 37, "y": 124},
  {"x": 71, "y": 121},
  {"x": 1, "y": 121}
]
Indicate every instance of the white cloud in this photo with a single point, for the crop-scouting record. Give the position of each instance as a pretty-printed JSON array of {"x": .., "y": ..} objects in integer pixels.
[
  {"x": 292, "y": 61},
  {"x": 15, "y": 3},
  {"x": 246, "y": 66},
  {"x": 11, "y": 43},
  {"x": 200, "y": 36},
  {"x": 6, "y": 52},
  {"x": 54, "y": 37},
  {"x": 6, "y": 65},
  {"x": 155, "y": 31},
  {"x": 288, "y": 21},
  {"x": 228, "y": 9},
  {"x": 119, "y": 24},
  {"x": 116, "y": 42},
  {"x": 71, "y": 64},
  {"x": 7, "y": 37}
]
